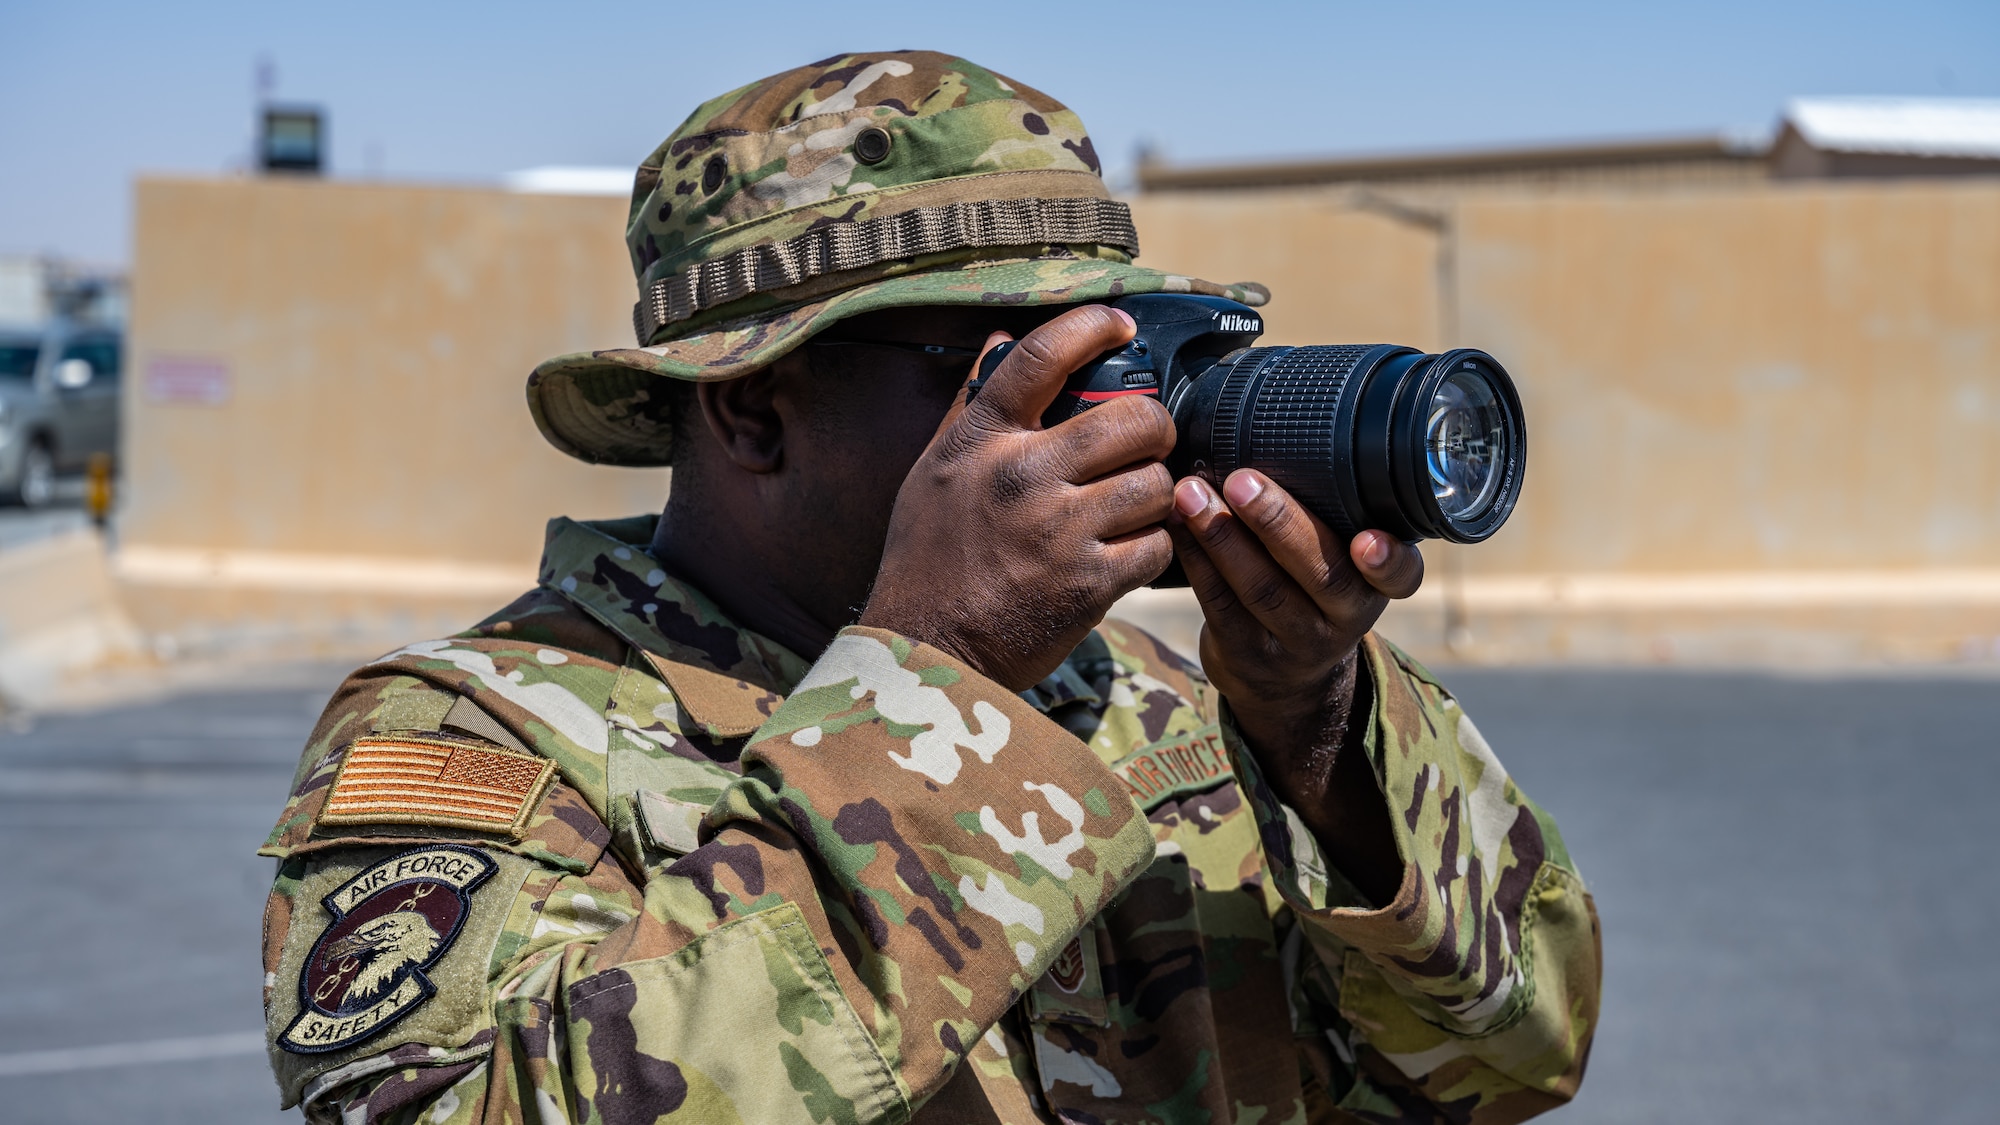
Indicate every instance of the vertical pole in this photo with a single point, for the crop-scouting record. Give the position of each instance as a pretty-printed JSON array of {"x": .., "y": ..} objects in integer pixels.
[
  {"x": 1442, "y": 223},
  {"x": 1457, "y": 621},
  {"x": 97, "y": 497}
]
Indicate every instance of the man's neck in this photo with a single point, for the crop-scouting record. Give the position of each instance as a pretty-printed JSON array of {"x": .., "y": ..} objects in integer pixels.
[{"x": 736, "y": 573}]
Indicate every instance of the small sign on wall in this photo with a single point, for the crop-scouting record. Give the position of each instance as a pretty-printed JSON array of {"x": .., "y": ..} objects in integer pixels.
[{"x": 187, "y": 380}]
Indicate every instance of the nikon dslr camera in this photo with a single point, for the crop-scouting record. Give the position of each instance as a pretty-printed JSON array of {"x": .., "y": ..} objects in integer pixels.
[{"x": 1364, "y": 435}]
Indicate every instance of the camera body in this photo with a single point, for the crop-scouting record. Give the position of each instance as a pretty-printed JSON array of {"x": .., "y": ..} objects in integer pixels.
[
  {"x": 1180, "y": 337},
  {"x": 1421, "y": 445}
]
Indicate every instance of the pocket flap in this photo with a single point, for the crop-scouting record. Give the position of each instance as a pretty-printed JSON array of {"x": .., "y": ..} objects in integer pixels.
[
  {"x": 672, "y": 825},
  {"x": 731, "y": 1027}
]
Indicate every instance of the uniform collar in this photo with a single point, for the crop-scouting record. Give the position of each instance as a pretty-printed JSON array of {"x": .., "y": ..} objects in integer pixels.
[{"x": 719, "y": 670}]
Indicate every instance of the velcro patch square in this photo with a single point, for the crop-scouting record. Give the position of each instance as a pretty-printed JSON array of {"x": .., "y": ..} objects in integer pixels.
[{"x": 438, "y": 783}]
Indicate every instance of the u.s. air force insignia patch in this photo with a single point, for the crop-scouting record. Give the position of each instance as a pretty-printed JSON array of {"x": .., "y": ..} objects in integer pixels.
[
  {"x": 391, "y": 921},
  {"x": 1175, "y": 767}
]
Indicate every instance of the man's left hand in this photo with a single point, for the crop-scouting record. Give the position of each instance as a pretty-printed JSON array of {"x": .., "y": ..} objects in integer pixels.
[{"x": 1286, "y": 604}]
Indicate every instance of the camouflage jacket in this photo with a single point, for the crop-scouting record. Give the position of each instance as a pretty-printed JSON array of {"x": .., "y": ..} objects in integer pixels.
[{"x": 607, "y": 857}]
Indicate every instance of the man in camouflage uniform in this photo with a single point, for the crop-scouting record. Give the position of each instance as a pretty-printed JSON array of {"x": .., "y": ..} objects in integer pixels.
[{"x": 825, "y": 797}]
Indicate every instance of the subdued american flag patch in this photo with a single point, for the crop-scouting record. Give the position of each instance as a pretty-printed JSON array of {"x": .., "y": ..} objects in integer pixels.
[{"x": 435, "y": 782}]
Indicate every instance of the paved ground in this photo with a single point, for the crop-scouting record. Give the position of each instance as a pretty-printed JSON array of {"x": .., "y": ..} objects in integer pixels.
[
  {"x": 22, "y": 525},
  {"x": 1793, "y": 877},
  {"x": 136, "y": 901},
  {"x": 1794, "y": 881}
]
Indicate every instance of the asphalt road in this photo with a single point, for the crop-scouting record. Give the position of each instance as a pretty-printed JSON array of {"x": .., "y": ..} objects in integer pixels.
[
  {"x": 1792, "y": 876},
  {"x": 25, "y": 525}
]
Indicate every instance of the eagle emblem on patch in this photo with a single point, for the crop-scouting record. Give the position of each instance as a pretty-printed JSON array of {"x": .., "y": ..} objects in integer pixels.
[{"x": 390, "y": 922}]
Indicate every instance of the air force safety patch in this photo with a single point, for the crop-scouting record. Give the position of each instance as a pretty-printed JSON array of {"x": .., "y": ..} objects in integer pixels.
[{"x": 391, "y": 921}]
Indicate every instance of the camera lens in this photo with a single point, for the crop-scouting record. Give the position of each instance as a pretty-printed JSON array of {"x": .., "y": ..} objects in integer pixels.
[
  {"x": 1465, "y": 434},
  {"x": 1423, "y": 446}
]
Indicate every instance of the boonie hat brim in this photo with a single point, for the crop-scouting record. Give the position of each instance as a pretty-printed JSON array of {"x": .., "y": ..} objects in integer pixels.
[{"x": 605, "y": 407}]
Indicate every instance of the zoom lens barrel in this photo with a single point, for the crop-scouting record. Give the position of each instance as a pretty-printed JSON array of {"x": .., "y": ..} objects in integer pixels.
[{"x": 1423, "y": 446}]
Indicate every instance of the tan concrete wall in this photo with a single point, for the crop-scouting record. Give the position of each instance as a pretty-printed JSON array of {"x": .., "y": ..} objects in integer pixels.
[
  {"x": 1791, "y": 377},
  {"x": 1804, "y": 378},
  {"x": 1763, "y": 420},
  {"x": 59, "y": 612},
  {"x": 373, "y": 468},
  {"x": 1752, "y": 412},
  {"x": 1336, "y": 274},
  {"x": 377, "y": 340}
]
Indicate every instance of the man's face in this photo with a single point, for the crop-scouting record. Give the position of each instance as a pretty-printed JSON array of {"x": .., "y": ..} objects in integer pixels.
[
  {"x": 881, "y": 388},
  {"x": 871, "y": 410}
]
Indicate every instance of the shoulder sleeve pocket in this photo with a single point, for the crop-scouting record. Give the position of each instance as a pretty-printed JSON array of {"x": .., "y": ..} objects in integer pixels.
[
  {"x": 372, "y": 948},
  {"x": 421, "y": 786},
  {"x": 745, "y": 1023}
]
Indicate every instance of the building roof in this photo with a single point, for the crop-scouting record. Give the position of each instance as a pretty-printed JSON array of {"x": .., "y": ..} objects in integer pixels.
[
  {"x": 1459, "y": 164},
  {"x": 1944, "y": 127},
  {"x": 561, "y": 180}
]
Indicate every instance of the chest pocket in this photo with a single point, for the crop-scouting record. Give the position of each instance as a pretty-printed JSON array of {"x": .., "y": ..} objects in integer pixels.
[{"x": 658, "y": 796}]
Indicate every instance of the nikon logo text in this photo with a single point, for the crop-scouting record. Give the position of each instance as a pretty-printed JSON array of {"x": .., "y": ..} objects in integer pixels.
[{"x": 1235, "y": 322}]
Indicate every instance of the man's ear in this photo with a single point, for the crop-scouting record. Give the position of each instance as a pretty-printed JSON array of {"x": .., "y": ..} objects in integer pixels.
[{"x": 742, "y": 413}]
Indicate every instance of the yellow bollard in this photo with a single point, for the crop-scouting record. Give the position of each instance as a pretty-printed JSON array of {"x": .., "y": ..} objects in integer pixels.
[{"x": 98, "y": 497}]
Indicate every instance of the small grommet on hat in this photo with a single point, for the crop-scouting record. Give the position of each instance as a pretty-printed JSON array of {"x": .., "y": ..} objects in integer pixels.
[
  {"x": 871, "y": 146},
  {"x": 712, "y": 174}
]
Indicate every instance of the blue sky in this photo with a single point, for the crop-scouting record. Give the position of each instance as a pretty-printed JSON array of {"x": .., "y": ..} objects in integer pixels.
[{"x": 94, "y": 93}]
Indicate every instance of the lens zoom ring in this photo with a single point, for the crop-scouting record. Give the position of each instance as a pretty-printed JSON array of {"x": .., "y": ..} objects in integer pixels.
[
  {"x": 1229, "y": 410},
  {"x": 1291, "y": 431}
]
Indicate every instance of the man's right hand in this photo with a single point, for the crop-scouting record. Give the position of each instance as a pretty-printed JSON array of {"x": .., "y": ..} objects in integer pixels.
[{"x": 1009, "y": 542}]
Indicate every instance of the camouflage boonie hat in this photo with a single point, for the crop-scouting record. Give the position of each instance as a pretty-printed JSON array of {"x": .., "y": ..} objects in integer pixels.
[{"x": 857, "y": 183}]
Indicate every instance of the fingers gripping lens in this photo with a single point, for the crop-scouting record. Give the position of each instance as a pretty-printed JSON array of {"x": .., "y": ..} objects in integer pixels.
[{"x": 1422, "y": 446}]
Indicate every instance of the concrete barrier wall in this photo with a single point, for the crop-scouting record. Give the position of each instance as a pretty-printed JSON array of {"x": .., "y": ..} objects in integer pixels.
[
  {"x": 60, "y": 613},
  {"x": 1804, "y": 378},
  {"x": 1763, "y": 420},
  {"x": 336, "y": 371},
  {"x": 1753, "y": 412},
  {"x": 1800, "y": 377},
  {"x": 325, "y": 427}
]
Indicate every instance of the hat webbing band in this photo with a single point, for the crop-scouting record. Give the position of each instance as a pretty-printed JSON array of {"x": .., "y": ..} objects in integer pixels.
[{"x": 972, "y": 225}]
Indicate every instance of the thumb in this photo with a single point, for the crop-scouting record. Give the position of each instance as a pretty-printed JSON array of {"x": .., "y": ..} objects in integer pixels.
[
  {"x": 1390, "y": 565},
  {"x": 964, "y": 398},
  {"x": 1034, "y": 371}
]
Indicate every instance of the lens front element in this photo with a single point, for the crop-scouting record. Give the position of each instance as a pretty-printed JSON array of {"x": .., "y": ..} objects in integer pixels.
[
  {"x": 1465, "y": 445},
  {"x": 1422, "y": 446}
]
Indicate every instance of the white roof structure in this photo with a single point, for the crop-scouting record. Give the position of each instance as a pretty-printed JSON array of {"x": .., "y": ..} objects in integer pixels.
[
  {"x": 24, "y": 291},
  {"x": 560, "y": 180},
  {"x": 1939, "y": 127}
]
